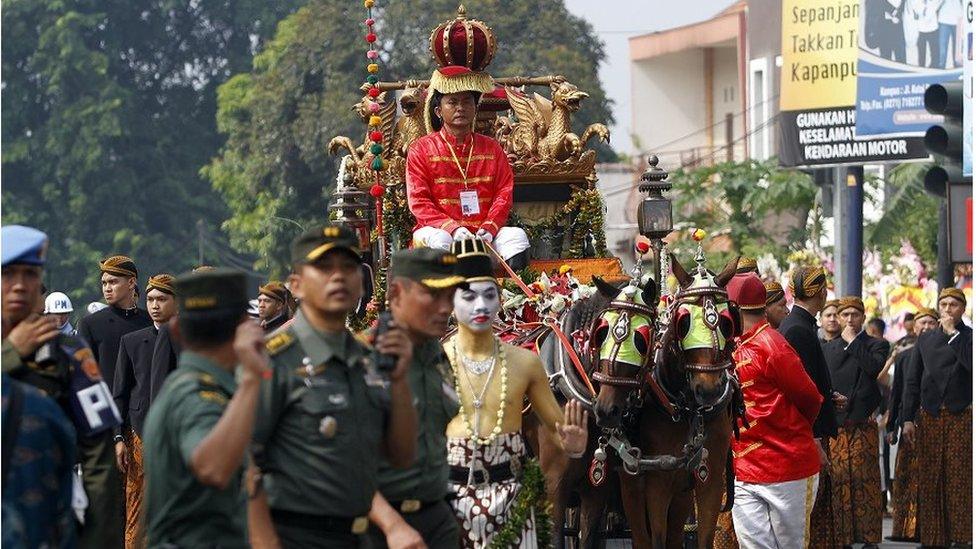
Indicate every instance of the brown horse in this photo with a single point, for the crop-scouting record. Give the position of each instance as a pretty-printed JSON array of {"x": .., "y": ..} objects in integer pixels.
[
  {"x": 566, "y": 478},
  {"x": 684, "y": 398}
]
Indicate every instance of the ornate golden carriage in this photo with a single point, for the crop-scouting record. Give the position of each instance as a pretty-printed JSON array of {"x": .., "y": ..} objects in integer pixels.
[{"x": 556, "y": 201}]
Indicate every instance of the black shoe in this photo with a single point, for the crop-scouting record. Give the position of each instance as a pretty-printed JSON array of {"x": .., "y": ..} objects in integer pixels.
[{"x": 519, "y": 261}]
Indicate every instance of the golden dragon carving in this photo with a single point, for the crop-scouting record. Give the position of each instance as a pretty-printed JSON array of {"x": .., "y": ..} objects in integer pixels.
[{"x": 543, "y": 128}]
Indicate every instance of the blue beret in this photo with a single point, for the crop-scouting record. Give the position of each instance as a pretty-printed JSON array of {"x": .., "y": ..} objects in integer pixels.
[{"x": 24, "y": 245}]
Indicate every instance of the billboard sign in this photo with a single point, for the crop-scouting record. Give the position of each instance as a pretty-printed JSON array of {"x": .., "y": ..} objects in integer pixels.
[
  {"x": 902, "y": 48},
  {"x": 818, "y": 88}
]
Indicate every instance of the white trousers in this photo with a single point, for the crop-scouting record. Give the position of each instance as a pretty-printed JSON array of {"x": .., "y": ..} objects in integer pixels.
[
  {"x": 775, "y": 515},
  {"x": 508, "y": 242}
]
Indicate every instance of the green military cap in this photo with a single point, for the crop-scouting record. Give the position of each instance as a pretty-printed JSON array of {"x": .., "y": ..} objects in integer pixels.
[
  {"x": 217, "y": 291},
  {"x": 431, "y": 267},
  {"x": 315, "y": 242}
]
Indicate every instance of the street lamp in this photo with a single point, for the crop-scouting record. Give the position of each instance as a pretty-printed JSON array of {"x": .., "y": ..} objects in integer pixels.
[
  {"x": 654, "y": 213},
  {"x": 352, "y": 208}
]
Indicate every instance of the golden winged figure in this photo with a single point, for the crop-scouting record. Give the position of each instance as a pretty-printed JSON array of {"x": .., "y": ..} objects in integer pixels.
[{"x": 543, "y": 129}]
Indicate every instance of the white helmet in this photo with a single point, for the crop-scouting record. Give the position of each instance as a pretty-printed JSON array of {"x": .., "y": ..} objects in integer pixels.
[{"x": 57, "y": 303}]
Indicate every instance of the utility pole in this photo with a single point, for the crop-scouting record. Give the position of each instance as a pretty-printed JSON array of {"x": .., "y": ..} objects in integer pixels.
[
  {"x": 849, "y": 230},
  {"x": 200, "y": 242}
]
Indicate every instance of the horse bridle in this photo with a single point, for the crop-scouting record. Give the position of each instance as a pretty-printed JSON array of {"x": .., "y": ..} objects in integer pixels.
[
  {"x": 706, "y": 297},
  {"x": 619, "y": 332}
]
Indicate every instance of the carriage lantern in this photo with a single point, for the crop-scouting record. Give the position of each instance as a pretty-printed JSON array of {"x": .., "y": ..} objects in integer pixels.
[
  {"x": 351, "y": 207},
  {"x": 654, "y": 214}
]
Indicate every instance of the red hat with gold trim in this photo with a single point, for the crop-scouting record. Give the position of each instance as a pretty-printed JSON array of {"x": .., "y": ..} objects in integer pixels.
[{"x": 463, "y": 48}]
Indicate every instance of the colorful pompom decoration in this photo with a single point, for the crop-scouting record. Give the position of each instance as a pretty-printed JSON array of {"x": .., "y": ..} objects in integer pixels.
[
  {"x": 642, "y": 245},
  {"x": 376, "y": 190},
  {"x": 697, "y": 235},
  {"x": 375, "y": 136},
  {"x": 371, "y": 37},
  {"x": 374, "y": 92},
  {"x": 369, "y": 22},
  {"x": 372, "y": 54},
  {"x": 377, "y": 164},
  {"x": 374, "y": 106},
  {"x": 368, "y": 3},
  {"x": 376, "y": 148},
  {"x": 375, "y": 120},
  {"x": 372, "y": 79},
  {"x": 372, "y": 68}
]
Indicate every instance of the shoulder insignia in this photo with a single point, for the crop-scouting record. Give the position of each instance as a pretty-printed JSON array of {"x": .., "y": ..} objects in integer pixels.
[
  {"x": 279, "y": 342},
  {"x": 213, "y": 396}
]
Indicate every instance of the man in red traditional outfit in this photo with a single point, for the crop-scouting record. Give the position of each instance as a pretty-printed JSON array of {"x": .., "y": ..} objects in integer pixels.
[
  {"x": 776, "y": 460},
  {"x": 459, "y": 182}
]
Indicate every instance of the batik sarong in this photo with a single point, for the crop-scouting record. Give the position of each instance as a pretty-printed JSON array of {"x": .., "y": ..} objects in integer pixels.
[
  {"x": 134, "y": 533},
  {"x": 482, "y": 510},
  {"x": 855, "y": 473},
  {"x": 725, "y": 532},
  {"x": 945, "y": 453},
  {"x": 904, "y": 494},
  {"x": 823, "y": 533}
]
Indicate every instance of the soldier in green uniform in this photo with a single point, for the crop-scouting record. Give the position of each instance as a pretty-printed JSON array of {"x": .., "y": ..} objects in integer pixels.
[
  {"x": 328, "y": 413},
  {"x": 199, "y": 428},
  {"x": 410, "y": 509}
]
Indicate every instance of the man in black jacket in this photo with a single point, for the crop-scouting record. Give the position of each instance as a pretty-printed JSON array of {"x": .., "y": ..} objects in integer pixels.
[
  {"x": 855, "y": 360},
  {"x": 939, "y": 380},
  {"x": 809, "y": 288},
  {"x": 904, "y": 491},
  {"x": 133, "y": 373},
  {"x": 103, "y": 331}
]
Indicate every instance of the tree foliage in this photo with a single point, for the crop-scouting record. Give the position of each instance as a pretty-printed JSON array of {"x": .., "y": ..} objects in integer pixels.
[
  {"x": 275, "y": 172},
  {"x": 108, "y": 114},
  {"x": 743, "y": 201},
  {"x": 909, "y": 214}
]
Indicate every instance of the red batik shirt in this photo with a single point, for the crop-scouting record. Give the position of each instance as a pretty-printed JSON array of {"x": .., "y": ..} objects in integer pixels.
[
  {"x": 435, "y": 181},
  {"x": 781, "y": 404}
]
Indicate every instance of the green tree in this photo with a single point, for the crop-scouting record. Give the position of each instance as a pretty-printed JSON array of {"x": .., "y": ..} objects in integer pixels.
[
  {"x": 738, "y": 200},
  {"x": 909, "y": 214},
  {"x": 108, "y": 114},
  {"x": 275, "y": 172}
]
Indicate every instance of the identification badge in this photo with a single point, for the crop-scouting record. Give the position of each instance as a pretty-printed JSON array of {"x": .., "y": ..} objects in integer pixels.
[{"x": 469, "y": 203}]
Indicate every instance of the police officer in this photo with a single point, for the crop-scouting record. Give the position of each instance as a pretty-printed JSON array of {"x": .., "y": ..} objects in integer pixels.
[
  {"x": 37, "y": 353},
  {"x": 410, "y": 509},
  {"x": 198, "y": 430},
  {"x": 328, "y": 413}
]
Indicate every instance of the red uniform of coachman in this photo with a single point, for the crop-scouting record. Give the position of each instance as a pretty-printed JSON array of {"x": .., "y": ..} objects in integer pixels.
[{"x": 459, "y": 182}]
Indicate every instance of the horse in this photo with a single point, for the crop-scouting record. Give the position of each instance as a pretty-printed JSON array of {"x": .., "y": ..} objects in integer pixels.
[
  {"x": 565, "y": 476},
  {"x": 677, "y": 405}
]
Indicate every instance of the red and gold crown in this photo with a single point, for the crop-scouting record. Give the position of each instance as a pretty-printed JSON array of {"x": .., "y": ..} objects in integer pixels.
[{"x": 462, "y": 41}]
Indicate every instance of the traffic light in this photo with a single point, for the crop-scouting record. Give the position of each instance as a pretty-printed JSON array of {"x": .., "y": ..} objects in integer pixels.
[{"x": 944, "y": 140}]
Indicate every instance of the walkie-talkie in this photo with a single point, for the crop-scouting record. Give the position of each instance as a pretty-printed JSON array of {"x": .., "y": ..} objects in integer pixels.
[{"x": 384, "y": 362}]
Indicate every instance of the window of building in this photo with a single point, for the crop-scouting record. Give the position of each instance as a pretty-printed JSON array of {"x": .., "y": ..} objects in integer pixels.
[{"x": 759, "y": 109}]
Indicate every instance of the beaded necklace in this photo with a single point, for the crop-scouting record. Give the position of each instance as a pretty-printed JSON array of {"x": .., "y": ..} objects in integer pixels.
[{"x": 477, "y": 402}]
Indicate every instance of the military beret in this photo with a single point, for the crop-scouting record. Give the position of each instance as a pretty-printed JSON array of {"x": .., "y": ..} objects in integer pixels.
[
  {"x": 748, "y": 291},
  {"x": 925, "y": 311},
  {"x": 474, "y": 263},
  {"x": 311, "y": 245},
  {"x": 23, "y": 245},
  {"x": 118, "y": 265},
  {"x": 850, "y": 302},
  {"x": 746, "y": 265},
  {"x": 216, "y": 291},
  {"x": 431, "y": 267},
  {"x": 774, "y": 292},
  {"x": 162, "y": 282},
  {"x": 274, "y": 290},
  {"x": 954, "y": 293}
]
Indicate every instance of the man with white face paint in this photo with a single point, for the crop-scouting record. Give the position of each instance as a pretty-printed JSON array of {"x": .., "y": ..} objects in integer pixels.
[{"x": 490, "y": 471}]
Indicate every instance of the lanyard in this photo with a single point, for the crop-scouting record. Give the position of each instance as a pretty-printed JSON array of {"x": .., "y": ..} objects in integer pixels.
[{"x": 464, "y": 171}]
